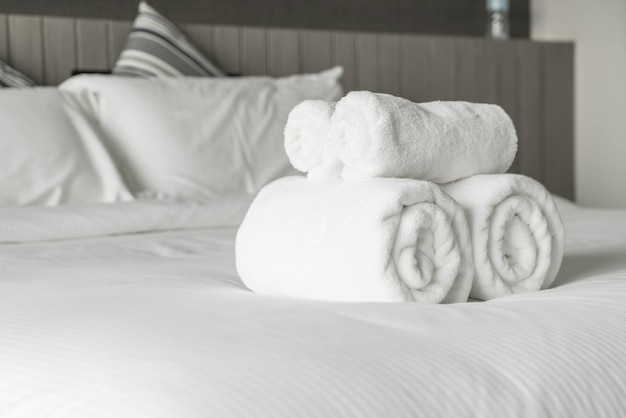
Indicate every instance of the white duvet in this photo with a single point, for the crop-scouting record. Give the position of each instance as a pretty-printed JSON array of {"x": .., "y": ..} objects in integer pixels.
[{"x": 133, "y": 323}]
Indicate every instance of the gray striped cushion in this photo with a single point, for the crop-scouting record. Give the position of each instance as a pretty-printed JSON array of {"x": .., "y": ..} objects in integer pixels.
[
  {"x": 155, "y": 47},
  {"x": 12, "y": 78}
]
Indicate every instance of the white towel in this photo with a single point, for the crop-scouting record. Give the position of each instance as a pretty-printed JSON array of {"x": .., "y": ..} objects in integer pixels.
[
  {"x": 307, "y": 141},
  {"x": 381, "y": 239},
  {"x": 517, "y": 233},
  {"x": 380, "y": 135}
]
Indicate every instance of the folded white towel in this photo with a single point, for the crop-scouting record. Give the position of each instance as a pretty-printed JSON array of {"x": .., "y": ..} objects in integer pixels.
[
  {"x": 380, "y": 135},
  {"x": 517, "y": 233},
  {"x": 381, "y": 239},
  {"x": 307, "y": 135}
]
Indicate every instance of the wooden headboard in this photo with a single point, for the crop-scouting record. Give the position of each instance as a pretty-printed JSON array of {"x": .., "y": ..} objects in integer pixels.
[{"x": 532, "y": 81}]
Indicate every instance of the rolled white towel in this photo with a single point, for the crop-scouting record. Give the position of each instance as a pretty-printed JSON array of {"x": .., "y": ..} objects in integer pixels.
[
  {"x": 381, "y": 239},
  {"x": 307, "y": 134},
  {"x": 517, "y": 233},
  {"x": 380, "y": 135}
]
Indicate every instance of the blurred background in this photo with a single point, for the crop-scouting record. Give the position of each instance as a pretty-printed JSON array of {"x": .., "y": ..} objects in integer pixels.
[{"x": 598, "y": 29}]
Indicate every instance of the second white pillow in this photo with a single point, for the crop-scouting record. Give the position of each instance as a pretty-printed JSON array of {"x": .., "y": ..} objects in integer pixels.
[
  {"x": 50, "y": 151},
  {"x": 200, "y": 136}
]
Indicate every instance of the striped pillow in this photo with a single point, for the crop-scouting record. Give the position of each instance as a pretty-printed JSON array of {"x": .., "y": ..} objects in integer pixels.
[
  {"x": 155, "y": 47},
  {"x": 11, "y": 78}
]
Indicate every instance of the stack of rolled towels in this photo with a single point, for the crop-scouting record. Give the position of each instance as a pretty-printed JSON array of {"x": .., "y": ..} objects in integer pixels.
[{"x": 402, "y": 202}]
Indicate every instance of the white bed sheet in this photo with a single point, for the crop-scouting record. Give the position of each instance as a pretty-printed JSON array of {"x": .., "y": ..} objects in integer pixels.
[{"x": 159, "y": 325}]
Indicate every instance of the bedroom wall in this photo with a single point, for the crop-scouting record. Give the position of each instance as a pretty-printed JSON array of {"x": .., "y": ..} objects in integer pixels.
[{"x": 599, "y": 30}]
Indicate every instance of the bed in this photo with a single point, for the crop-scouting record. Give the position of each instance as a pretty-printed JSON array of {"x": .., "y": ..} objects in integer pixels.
[
  {"x": 134, "y": 308},
  {"x": 159, "y": 325}
]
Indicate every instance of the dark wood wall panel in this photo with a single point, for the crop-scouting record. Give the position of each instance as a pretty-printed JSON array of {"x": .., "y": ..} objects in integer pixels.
[
  {"x": 533, "y": 82},
  {"x": 316, "y": 50},
  {"x": 284, "y": 52},
  {"x": 390, "y": 64},
  {"x": 59, "y": 40},
  {"x": 443, "y": 68},
  {"x": 26, "y": 46},
  {"x": 416, "y": 68},
  {"x": 4, "y": 38},
  {"x": 558, "y": 117},
  {"x": 530, "y": 118},
  {"x": 344, "y": 54},
  {"x": 90, "y": 32},
  {"x": 367, "y": 61},
  {"x": 466, "y": 68},
  {"x": 254, "y": 51},
  {"x": 507, "y": 88},
  {"x": 455, "y": 17},
  {"x": 486, "y": 67},
  {"x": 227, "y": 48}
]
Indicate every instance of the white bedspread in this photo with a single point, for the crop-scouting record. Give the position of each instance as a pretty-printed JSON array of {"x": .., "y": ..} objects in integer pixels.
[{"x": 159, "y": 325}]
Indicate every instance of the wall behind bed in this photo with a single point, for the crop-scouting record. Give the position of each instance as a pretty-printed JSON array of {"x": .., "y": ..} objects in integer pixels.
[{"x": 599, "y": 29}]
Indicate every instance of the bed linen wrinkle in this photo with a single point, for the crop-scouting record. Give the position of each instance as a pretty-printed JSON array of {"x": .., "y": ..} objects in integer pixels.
[
  {"x": 169, "y": 330},
  {"x": 37, "y": 223}
]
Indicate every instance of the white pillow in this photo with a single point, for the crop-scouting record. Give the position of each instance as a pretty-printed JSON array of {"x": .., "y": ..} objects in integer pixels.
[
  {"x": 50, "y": 153},
  {"x": 210, "y": 136}
]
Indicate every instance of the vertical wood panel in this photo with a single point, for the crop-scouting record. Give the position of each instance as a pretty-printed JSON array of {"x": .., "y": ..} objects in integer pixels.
[
  {"x": 485, "y": 59},
  {"x": 443, "y": 66},
  {"x": 465, "y": 50},
  {"x": 201, "y": 37},
  {"x": 26, "y": 47},
  {"x": 4, "y": 38},
  {"x": 529, "y": 126},
  {"x": 507, "y": 84},
  {"x": 59, "y": 53},
  {"x": 284, "y": 52},
  {"x": 344, "y": 54},
  {"x": 390, "y": 64},
  {"x": 416, "y": 68},
  {"x": 118, "y": 34},
  {"x": 558, "y": 121},
  {"x": 91, "y": 47},
  {"x": 227, "y": 48},
  {"x": 367, "y": 61},
  {"x": 315, "y": 50},
  {"x": 254, "y": 51}
]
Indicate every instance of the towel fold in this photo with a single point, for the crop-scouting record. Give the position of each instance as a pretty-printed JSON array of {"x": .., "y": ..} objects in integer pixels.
[
  {"x": 517, "y": 233},
  {"x": 381, "y": 239},
  {"x": 306, "y": 133},
  {"x": 380, "y": 135}
]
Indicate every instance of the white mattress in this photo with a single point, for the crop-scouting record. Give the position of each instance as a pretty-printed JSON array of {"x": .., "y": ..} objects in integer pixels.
[{"x": 158, "y": 325}]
